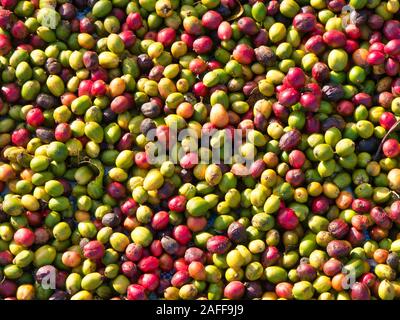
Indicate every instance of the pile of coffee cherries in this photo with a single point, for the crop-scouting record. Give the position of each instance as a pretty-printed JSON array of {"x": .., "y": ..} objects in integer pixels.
[{"x": 307, "y": 207}]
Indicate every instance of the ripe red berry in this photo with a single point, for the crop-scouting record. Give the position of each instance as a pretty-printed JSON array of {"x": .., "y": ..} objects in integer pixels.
[{"x": 35, "y": 117}]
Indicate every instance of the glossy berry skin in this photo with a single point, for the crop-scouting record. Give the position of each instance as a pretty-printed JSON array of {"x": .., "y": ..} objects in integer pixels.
[
  {"x": 391, "y": 148},
  {"x": 387, "y": 120},
  {"x": 35, "y": 117}
]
